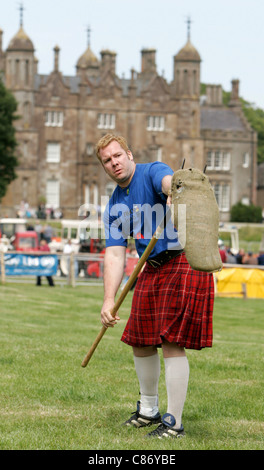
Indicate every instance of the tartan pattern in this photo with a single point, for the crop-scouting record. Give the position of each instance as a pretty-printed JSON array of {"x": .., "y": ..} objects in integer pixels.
[{"x": 173, "y": 302}]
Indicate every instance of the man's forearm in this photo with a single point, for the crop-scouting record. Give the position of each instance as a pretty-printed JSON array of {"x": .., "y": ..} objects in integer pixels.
[{"x": 114, "y": 264}]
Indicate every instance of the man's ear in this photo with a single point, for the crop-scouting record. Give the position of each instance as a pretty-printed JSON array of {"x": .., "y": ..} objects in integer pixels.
[{"x": 130, "y": 155}]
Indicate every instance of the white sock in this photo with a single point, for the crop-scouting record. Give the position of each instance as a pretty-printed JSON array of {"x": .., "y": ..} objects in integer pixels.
[
  {"x": 177, "y": 377},
  {"x": 148, "y": 372}
]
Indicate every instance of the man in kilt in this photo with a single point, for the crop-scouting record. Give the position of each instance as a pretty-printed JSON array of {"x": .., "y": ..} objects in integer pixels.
[{"x": 172, "y": 304}]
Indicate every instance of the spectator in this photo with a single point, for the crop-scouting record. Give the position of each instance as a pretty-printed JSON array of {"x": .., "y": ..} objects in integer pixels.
[
  {"x": 250, "y": 259},
  {"x": 67, "y": 250},
  {"x": 223, "y": 255},
  {"x": 48, "y": 233},
  {"x": 38, "y": 229},
  {"x": 68, "y": 247},
  {"x": 222, "y": 251},
  {"x": 230, "y": 257},
  {"x": 240, "y": 256},
  {"x": 261, "y": 258},
  {"x": 44, "y": 247}
]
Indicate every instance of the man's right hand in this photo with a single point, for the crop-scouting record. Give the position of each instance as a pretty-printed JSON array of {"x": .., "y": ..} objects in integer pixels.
[{"x": 106, "y": 317}]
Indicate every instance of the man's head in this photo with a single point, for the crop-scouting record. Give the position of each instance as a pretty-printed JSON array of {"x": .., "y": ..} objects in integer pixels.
[
  {"x": 116, "y": 158},
  {"x": 107, "y": 139}
]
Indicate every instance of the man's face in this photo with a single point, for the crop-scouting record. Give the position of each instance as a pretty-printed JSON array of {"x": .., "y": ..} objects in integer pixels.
[{"x": 118, "y": 163}]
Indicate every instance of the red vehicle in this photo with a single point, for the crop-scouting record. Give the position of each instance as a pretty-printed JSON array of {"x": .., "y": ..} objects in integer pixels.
[
  {"x": 26, "y": 241},
  {"x": 95, "y": 268}
]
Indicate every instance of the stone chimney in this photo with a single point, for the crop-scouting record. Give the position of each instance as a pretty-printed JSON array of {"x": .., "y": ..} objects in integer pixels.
[
  {"x": 56, "y": 58},
  {"x": 148, "y": 61},
  {"x": 234, "y": 99},
  {"x": 108, "y": 61},
  {"x": 214, "y": 95}
]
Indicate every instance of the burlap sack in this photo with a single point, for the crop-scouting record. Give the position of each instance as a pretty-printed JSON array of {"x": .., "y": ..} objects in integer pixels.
[{"x": 193, "y": 197}]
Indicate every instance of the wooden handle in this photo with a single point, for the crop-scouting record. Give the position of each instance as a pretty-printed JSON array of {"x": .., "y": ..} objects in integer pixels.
[
  {"x": 94, "y": 346},
  {"x": 127, "y": 288}
]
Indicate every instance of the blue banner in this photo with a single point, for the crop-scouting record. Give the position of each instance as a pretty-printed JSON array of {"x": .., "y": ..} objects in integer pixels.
[{"x": 34, "y": 265}]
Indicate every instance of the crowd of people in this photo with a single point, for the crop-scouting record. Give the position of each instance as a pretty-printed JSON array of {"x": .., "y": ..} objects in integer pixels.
[
  {"x": 43, "y": 211},
  {"x": 242, "y": 257}
]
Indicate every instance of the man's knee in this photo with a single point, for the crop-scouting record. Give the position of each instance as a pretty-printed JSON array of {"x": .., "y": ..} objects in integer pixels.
[
  {"x": 144, "y": 351},
  {"x": 172, "y": 350}
]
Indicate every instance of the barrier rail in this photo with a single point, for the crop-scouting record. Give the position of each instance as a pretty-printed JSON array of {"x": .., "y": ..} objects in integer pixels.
[
  {"x": 234, "y": 280},
  {"x": 73, "y": 269}
]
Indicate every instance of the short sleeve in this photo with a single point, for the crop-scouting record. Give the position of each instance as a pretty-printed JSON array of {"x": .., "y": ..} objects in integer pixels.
[
  {"x": 114, "y": 228},
  {"x": 157, "y": 172}
]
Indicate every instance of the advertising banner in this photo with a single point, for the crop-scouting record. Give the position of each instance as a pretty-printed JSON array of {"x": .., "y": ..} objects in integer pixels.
[{"x": 34, "y": 265}]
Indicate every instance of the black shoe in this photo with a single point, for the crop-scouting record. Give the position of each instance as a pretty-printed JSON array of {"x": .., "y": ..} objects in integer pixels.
[
  {"x": 139, "y": 421},
  {"x": 165, "y": 428}
]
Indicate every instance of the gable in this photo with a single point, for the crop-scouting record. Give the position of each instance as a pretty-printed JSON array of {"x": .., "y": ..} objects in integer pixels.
[{"x": 156, "y": 87}]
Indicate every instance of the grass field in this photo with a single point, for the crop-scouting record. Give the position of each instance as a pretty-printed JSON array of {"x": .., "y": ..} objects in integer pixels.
[{"x": 48, "y": 401}]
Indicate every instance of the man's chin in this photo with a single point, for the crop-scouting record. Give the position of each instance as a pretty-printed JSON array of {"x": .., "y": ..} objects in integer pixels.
[{"x": 121, "y": 180}]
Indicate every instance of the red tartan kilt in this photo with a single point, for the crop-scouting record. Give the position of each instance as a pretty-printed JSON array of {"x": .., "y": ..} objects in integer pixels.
[{"x": 174, "y": 303}]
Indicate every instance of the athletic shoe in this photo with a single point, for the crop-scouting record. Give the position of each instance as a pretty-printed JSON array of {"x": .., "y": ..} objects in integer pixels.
[
  {"x": 166, "y": 429},
  {"x": 138, "y": 420}
]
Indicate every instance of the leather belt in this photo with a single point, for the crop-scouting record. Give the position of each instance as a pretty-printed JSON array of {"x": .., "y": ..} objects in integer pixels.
[{"x": 163, "y": 257}]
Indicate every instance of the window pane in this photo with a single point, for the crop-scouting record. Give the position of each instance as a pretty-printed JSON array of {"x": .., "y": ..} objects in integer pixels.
[
  {"x": 53, "y": 152},
  {"x": 155, "y": 123},
  {"x": 217, "y": 193},
  {"x": 53, "y": 193},
  {"x": 226, "y": 161},
  {"x": 210, "y": 159},
  {"x": 106, "y": 121},
  {"x": 245, "y": 160},
  {"x": 225, "y": 197},
  {"x": 218, "y": 159},
  {"x": 112, "y": 121}
]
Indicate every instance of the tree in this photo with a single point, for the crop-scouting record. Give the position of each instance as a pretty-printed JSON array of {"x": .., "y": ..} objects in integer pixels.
[
  {"x": 255, "y": 117},
  {"x": 8, "y": 143},
  {"x": 242, "y": 213}
]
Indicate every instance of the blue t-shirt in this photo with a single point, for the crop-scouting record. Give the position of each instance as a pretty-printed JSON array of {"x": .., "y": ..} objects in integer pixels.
[{"x": 137, "y": 210}]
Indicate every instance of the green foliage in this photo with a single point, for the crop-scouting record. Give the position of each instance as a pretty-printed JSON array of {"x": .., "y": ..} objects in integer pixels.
[
  {"x": 242, "y": 213},
  {"x": 8, "y": 144},
  {"x": 226, "y": 97},
  {"x": 255, "y": 116}
]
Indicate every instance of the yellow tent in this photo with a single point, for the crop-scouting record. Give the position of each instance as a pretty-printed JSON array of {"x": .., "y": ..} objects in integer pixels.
[{"x": 229, "y": 281}]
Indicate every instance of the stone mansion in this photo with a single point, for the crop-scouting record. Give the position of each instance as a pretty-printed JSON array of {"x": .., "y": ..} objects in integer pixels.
[{"x": 62, "y": 117}]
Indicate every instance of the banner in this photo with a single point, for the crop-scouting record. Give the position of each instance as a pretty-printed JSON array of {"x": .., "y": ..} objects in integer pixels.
[{"x": 34, "y": 265}]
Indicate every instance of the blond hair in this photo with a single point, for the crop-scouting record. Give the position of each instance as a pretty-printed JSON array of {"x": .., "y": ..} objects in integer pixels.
[{"x": 107, "y": 139}]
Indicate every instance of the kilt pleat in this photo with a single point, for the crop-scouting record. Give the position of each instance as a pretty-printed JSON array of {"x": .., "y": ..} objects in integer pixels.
[{"x": 172, "y": 302}]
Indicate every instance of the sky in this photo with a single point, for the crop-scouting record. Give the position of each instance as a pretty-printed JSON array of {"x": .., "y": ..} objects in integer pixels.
[{"x": 228, "y": 34}]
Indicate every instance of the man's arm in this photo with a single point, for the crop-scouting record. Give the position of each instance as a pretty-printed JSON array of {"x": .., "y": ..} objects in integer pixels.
[
  {"x": 166, "y": 184},
  {"x": 114, "y": 263}
]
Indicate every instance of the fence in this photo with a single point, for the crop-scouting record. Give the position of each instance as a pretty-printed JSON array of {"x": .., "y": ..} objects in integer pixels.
[
  {"x": 73, "y": 269},
  {"x": 87, "y": 269}
]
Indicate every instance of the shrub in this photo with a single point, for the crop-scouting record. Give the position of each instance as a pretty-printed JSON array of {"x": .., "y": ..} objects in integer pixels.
[{"x": 242, "y": 213}]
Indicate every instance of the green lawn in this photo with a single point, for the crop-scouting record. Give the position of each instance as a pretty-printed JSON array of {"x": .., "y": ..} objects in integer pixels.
[{"x": 48, "y": 401}]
